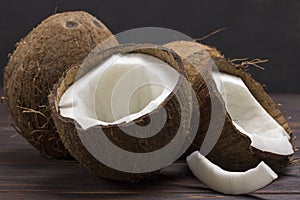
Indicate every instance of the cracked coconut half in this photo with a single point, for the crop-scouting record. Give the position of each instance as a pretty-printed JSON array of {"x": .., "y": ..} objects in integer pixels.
[
  {"x": 126, "y": 112},
  {"x": 254, "y": 129}
]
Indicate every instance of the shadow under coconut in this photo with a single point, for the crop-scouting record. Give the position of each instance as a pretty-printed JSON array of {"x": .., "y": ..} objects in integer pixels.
[
  {"x": 175, "y": 180},
  {"x": 74, "y": 178}
]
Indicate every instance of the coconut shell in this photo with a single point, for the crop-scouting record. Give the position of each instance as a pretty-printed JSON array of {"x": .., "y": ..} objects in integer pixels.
[
  {"x": 69, "y": 131},
  {"x": 59, "y": 42},
  {"x": 233, "y": 150}
]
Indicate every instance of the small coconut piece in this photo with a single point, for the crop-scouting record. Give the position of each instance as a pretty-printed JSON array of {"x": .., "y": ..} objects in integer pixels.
[
  {"x": 230, "y": 182},
  {"x": 264, "y": 135},
  {"x": 91, "y": 101},
  {"x": 59, "y": 42}
]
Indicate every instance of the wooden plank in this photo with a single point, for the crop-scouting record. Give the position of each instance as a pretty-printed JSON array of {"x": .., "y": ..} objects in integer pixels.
[{"x": 25, "y": 174}]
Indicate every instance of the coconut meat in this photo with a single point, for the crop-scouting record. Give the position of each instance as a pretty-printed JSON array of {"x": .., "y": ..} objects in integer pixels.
[
  {"x": 250, "y": 118},
  {"x": 120, "y": 89},
  {"x": 230, "y": 182}
]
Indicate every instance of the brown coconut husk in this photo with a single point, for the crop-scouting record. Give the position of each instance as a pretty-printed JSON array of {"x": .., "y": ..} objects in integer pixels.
[
  {"x": 39, "y": 60},
  {"x": 232, "y": 151},
  {"x": 67, "y": 128}
]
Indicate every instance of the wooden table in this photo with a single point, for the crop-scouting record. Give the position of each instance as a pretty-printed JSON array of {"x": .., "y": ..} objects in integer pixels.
[{"x": 25, "y": 174}]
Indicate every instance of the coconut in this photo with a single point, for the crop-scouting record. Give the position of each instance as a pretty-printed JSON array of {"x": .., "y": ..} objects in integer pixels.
[
  {"x": 254, "y": 129},
  {"x": 89, "y": 107},
  {"x": 230, "y": 182},
  {"x": 59, "y": 42}
]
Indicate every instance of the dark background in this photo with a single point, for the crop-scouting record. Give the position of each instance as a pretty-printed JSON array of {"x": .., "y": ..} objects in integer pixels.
[{"x": 266, "y": 29}]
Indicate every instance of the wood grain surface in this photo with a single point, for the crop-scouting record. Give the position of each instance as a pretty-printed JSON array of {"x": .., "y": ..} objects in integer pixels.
[{"x": 25, "y": 174}]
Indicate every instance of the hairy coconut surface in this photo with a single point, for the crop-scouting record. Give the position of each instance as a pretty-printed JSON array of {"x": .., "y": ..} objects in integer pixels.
[
  {"x": 234, "y": 150},
  {"x": 201, "y": 62},
  {"x": 123, "y": 131},
  {"x": 59, "y": 42}
]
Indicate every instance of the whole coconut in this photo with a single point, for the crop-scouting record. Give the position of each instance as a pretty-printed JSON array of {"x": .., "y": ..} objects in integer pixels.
[{"x": 59, "y": 42}]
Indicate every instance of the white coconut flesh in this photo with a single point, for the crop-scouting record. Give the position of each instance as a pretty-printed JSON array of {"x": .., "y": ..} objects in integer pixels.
[
  {"x": 120, "y": 89},
  {"x": 250, "y": 118},
  {"x": 230, "y": 182}
]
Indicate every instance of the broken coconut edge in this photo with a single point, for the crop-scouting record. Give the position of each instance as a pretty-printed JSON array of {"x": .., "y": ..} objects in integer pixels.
[{"x": 226, "y": 182}]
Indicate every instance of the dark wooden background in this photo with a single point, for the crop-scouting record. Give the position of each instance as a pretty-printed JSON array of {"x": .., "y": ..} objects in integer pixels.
[
  {"x": 26, "y": 174},
  {"x": 268, "y": 29}
]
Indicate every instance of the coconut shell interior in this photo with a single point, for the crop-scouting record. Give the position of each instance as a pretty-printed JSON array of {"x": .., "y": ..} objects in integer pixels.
[
  {"x": 69, "y": 131},
  {"x": 59, "y": 42},
  {"x": 233, "y": 151}
]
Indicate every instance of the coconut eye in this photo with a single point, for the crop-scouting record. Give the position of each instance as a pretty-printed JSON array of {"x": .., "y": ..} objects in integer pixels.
[
  {"x": 98, "y": 25},
  {"x": 71, "y": 24}
]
